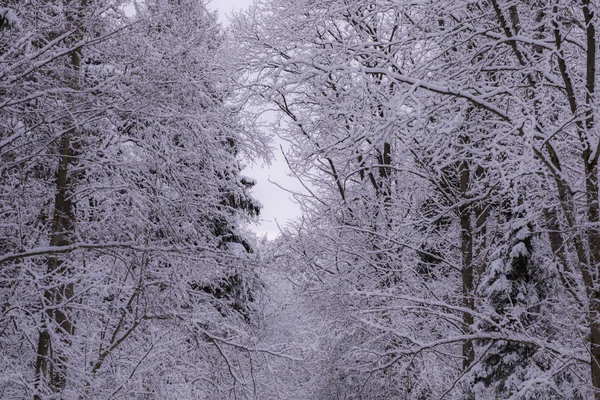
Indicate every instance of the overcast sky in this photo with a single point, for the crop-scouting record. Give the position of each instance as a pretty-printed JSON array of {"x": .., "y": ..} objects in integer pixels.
[
  {"x": 277, "y": 204},
  {"x": 225, "y": 7}
]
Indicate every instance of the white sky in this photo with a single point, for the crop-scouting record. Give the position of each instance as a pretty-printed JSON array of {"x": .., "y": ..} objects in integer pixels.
[
  {"x": 277, "y": 204},
  {"x": 224, "y": 7}
]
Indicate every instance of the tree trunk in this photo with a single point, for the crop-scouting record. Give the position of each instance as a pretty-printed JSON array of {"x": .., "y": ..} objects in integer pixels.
[
  {"x": 466, "y": 230},
  {"x": 51, "y": 362},
  {"x": 593, "y": 207},
  {"x": 593, "y": 237}
]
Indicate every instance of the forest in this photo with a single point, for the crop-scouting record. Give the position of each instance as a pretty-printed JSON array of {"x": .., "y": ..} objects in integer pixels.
[{"x": 449, "y": 243}]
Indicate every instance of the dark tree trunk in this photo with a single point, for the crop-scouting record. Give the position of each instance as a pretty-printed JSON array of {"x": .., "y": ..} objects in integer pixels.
[
  {"x": 51, "y": 362},
  {"x": 466, "y": 230},
  {"x": 57, "y": 322}
]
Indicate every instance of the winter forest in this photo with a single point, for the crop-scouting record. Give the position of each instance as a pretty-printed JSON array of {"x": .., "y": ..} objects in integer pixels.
[{"x": 449, "y": 243}]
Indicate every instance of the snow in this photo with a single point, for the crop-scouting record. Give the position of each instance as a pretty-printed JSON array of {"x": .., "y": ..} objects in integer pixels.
[{"x": 9, "y": 17}]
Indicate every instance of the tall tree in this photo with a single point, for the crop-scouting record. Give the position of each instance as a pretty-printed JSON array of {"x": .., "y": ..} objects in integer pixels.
[
  {"x": 472, "y": 99},
  {"x": 123, "y": 260}
]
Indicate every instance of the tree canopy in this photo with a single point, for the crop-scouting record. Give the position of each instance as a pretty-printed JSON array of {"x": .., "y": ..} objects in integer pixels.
[{"x": 449, "y": 244}]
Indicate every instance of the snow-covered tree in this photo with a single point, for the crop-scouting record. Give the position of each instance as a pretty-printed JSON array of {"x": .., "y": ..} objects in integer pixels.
[
  {"x": 124, "y": 269},
  {"x": 416, "y": 127}
]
